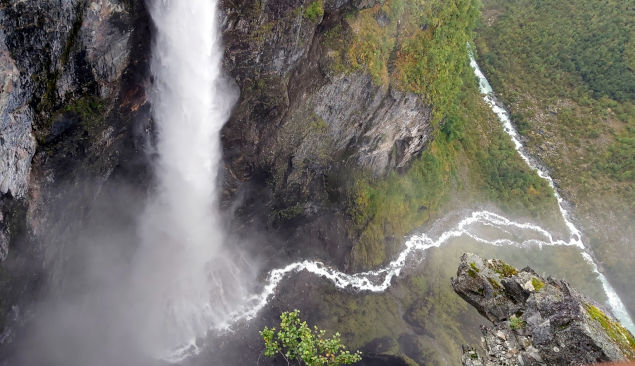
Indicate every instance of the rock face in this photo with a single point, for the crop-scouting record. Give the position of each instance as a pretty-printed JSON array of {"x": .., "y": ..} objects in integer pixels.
[
  {"x": 17, "y": 145},
  {"x": 73, "y": 117},
  {"x": 302, "y": 126},
  {"x": 536, "y": 321}
]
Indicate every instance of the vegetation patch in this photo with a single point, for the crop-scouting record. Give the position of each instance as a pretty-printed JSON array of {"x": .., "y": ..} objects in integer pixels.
[
  {"x": 516, "y": 323},
  {"x": 416, "y": 45},
  {"x": 501, "y": 268},
  {"x": 314, "y": 11},
  {"x": 538, "y": 284},
  {"x": 622, "y": 337}
]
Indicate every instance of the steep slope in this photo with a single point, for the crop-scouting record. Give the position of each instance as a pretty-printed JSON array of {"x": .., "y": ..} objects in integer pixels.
[{"x": 564, "y": 71}]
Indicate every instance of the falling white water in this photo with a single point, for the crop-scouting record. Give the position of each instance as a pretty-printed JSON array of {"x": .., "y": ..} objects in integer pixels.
[
  {"x": 616, "y": 304},
  {"x": 182, "y": 272}
]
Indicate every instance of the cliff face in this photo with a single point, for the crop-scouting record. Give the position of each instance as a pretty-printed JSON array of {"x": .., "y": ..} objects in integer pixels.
[
  {"x": 303, "y": 125},
  {"x": 536, "y": 321},
  {"x": 73, "y": 117}
]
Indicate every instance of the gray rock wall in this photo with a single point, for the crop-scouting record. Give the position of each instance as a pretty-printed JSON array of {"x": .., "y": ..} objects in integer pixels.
[
  {"x": 17, "y": 144},
  {"x": 302, "y": 128}
]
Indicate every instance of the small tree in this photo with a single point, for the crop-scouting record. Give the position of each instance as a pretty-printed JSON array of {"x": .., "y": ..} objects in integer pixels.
[{"x": 295, "y": 341}]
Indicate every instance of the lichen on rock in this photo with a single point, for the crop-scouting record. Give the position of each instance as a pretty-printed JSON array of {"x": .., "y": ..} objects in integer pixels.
[{"x": 536, "y": 321}]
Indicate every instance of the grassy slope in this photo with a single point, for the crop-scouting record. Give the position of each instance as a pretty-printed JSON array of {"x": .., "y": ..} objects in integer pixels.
[
  {"x": 421, "y": 47},
  {"x": 565, "y": 70}
]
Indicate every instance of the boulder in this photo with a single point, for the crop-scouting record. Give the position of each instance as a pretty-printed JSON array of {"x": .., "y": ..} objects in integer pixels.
[{"x": 536, "y": 321}]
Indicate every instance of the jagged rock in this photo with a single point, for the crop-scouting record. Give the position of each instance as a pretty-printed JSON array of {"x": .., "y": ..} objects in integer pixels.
[
  {"x": 377, "y": 121},
  {"x": 17, "y": 145},
  {"x": 536, "y": 321}
]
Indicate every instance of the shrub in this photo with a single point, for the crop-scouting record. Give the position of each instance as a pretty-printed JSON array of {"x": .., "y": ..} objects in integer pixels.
[
  {"x": 296, "y": 341},
  {"x": 314, "y": 11}
]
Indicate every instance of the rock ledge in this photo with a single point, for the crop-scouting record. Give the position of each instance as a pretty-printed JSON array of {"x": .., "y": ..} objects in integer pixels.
[{"x": 536, "y": 321}]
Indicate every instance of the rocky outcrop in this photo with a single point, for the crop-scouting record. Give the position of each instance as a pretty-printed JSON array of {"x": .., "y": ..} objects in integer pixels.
[
  {"x": 536, "y": 321},
  {"x": 61, "y": 75}
]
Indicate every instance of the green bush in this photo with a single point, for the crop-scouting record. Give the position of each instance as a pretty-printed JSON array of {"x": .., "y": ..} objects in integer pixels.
[
  {"x": 314, "y": 11},
  {"x": 297, "y": 342}
]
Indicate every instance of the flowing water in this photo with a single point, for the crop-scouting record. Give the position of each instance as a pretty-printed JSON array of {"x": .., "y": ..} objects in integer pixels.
[{"x": 181, "y": 228}]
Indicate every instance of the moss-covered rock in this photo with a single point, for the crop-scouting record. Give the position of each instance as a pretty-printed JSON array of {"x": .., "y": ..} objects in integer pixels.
[{"x": 538, "y": 321}]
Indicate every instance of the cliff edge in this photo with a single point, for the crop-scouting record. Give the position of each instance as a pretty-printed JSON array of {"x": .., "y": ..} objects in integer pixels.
[{"x": 536, "y": 321}]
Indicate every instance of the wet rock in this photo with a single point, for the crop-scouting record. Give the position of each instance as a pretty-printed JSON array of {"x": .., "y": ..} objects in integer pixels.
[
  {"x": 536, "y": 321},
  {"x": 104, "y": 34},
  {"x": 4, "y": 246}
]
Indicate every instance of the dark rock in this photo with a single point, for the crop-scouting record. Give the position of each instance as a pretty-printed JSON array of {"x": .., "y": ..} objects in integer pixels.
[
  {"x": 536, "y": 321},
  {"x": 73, "y": 117}
]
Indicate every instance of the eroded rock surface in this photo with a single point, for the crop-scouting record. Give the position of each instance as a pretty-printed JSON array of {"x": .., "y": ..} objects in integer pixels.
[{"x": 536, "y": 321}]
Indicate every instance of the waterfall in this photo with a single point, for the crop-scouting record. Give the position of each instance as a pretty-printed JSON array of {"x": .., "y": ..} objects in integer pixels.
[
  {"x": 183, "y": 272},
  {"x": 616, "y": 304}
]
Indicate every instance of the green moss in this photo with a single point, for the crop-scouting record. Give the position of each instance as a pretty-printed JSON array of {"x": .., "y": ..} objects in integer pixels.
[
  {"x": 314, "y": 11},
  {"x": 494, "y": 283},
  {"x": 538, "y": 284},
  {"x": 516, "y": 323},
  {"x": 72, "y": 35},
  {"x": 622, "y": 337},
  {"x": 288, "y": 213},
  {"x": 319, "y": 125},
  {"x": 473, "y": 265},
  {"x": 501, "y": 268},
  {"x": 471, "y": 272}
]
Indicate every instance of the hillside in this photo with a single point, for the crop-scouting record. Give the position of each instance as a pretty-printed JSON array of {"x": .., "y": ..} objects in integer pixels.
[{"x": 565, "y": 71}]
